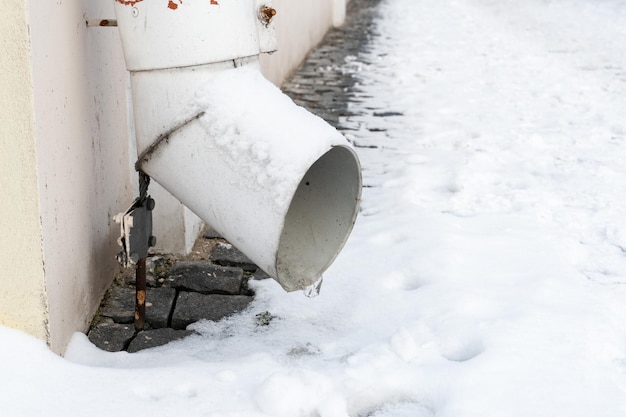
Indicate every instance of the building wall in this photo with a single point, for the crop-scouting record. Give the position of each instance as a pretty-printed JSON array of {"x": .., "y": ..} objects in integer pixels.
[
  {"x": 66, "y": 165},
  {"x": 81, "y": 136},
  {"x": 300, "y": 26},
  {"x": 23, "y": 302}
]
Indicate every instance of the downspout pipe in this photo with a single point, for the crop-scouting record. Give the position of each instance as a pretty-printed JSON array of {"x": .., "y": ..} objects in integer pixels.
[{"x": 276, "y": 181}]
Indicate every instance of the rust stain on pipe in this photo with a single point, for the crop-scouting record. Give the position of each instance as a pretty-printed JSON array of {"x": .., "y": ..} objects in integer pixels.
[
  {"x": 266, "y": 14},
  {"x": 129, "y": 2},
  {"x": 102, "y": 22},
  {"x": 170, "y": 4}
]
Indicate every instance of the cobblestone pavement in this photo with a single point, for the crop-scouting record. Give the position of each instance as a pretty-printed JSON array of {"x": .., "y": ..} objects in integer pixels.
[
  {"x": 326, "y": 83},
  {"x": 213, "y": 283},
  {"x": 210, "y": 284}
]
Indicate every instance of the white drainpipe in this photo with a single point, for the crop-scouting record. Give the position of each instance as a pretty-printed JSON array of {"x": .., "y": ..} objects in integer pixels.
[{"x": 276, "y": 181}]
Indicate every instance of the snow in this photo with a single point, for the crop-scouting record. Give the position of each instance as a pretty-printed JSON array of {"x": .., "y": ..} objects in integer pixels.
[
  {"x": 247, "y": 119},
  {"x": 485, "y": 275}
]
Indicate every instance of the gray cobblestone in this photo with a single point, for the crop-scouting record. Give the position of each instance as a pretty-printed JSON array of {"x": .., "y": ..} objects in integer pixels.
[
  {"x": 205, "y": 277},
  {"x": 159, "y": 303},
  {"x": 153, "y": 338},
  {"x": 111, "y": 336},
  {"x": 120, "y": 305},
  {"x": 228, "y": 255},
  {"x": 192, "y": 306}
]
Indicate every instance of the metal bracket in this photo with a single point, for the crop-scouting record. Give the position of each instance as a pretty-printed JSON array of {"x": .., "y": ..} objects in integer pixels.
[
  {"x": 135, "y": 239},
  {"x": 135, "y": 231}
]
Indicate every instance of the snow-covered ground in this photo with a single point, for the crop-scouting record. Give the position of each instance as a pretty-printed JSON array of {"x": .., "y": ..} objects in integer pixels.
[{"x": 485, "y": 276}]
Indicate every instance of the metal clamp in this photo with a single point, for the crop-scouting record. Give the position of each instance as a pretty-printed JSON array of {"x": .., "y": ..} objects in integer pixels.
[{"x": 136, "y": 226}]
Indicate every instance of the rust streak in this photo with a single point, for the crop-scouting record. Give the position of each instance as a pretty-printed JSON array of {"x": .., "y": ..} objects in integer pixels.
[
  {"x": 101, "y": 22},
  {"x": 266, "y": 14},
  {"x": 129, "y": 2},
  {"x": 170, "y": 4}
]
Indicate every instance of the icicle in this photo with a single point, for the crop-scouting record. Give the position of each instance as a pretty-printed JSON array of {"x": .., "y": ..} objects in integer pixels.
[{"x": 313, "y": 290}]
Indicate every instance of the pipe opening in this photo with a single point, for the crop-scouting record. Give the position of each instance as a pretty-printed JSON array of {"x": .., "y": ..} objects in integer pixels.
[{"x": 320, "y": 218}]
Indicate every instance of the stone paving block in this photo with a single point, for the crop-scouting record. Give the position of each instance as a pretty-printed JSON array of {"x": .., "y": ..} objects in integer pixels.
[
  {"x": 112, "y": 337},
  {"x": 120, "y": 305},
  {"x": 151, "y": 281},
  {"x": 159, "y": 302},
  {"x": 192, "y": 306},
  {"x": 228, "y": 255},
  {"x": 156, "y": 268},
  {"x": 340, "y": 48},
  {"x": 152, "y": 338},
  {"x": 205, "y": 277}
]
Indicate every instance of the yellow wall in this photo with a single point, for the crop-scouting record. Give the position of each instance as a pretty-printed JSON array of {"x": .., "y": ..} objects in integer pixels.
[{"x": 23, "y": 302}]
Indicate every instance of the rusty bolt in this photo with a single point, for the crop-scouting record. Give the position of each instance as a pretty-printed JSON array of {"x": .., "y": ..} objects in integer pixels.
[{"x": 266, "y": 14}]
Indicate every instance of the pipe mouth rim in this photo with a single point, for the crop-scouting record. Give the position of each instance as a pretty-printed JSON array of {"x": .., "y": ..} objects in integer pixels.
[{"x": 320, "y": 218}]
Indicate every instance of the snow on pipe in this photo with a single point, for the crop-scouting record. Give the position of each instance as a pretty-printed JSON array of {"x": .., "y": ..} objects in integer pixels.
[{"x": 276, "y": 181}]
